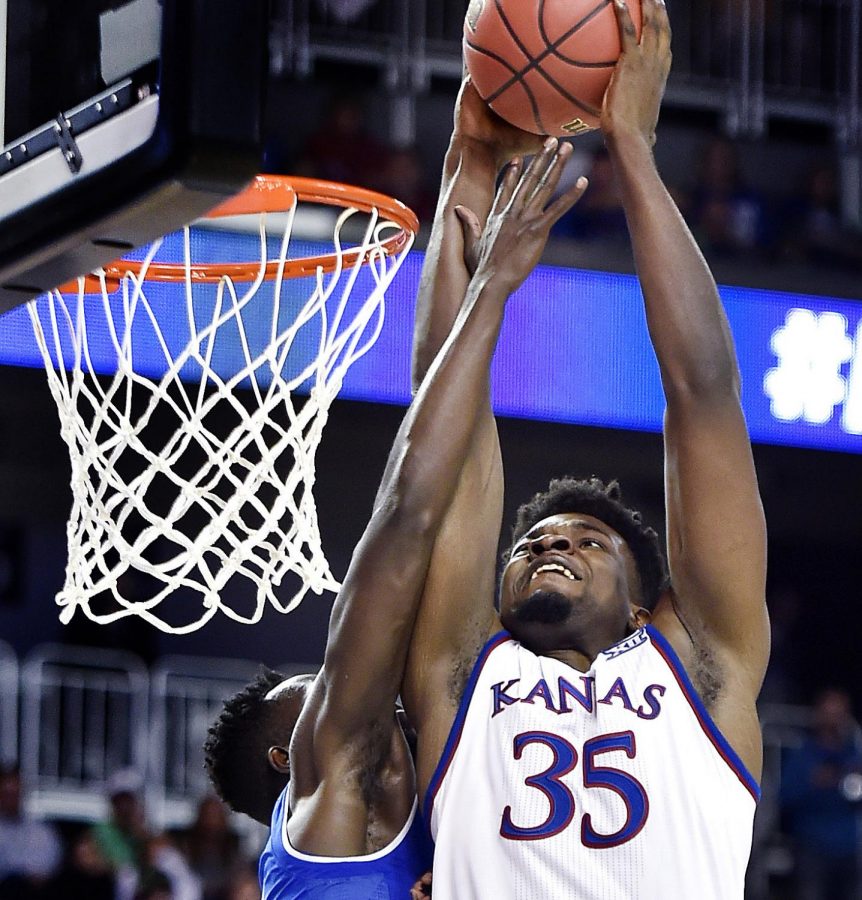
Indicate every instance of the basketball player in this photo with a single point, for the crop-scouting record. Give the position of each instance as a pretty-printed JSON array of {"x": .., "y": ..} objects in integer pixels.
[
  {"x": 598, "y": 736},
  {"x": 324, "y": 759}
]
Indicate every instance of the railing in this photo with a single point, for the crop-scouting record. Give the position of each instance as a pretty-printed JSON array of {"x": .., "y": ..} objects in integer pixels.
[
  {"x": 8, "y": 704},
  {"x": 84, "y": 716},
  {"x": 88, "y": 713},
  {"x": 784, "y": 727},
  {"x": 751, "y": 60},
  {"x": 187, "y": 696},
  {"x": 379, "y": 33}
]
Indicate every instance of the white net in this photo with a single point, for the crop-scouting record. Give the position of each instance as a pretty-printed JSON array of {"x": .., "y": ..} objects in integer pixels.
[{"x": 192, "y": 486}]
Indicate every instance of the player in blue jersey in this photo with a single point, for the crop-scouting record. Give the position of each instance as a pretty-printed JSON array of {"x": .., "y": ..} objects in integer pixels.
[
  {"x": 606, "y": 743},
  {"x": 323, "y": 759}
]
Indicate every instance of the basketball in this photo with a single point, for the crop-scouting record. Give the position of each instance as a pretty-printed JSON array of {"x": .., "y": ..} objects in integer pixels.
[{"x": 544, "y": 65}]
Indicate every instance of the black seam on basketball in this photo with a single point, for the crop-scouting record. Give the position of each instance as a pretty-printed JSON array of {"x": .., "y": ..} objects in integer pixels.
[
  {"x": 519, "y": 79},
  {"x": 581, "y": 104},
  {"x": 518, "y": 76},
  {"x": 512, "y": 33},
  {"x": 552, "y": 46},
  {"x": 492, "y": 55},
  {"x": 506, "y": 64}
]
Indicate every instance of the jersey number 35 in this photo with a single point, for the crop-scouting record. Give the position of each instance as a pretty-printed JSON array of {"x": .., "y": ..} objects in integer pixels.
[{"x": 561, "y": 799}]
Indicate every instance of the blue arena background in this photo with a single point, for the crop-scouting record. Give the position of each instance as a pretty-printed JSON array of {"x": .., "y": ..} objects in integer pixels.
[{"x": 574, "y": 349}]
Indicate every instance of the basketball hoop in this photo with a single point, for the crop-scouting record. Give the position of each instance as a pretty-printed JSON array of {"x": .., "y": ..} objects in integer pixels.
[{"x": 193, "y": 435}]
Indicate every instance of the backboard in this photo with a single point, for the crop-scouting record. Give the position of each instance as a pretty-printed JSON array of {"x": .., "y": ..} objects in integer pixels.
[{"x": 121, "y": 121}]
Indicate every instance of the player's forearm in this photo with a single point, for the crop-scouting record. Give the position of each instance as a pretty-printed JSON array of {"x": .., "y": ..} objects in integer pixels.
[
  {"x": 375, "y": 611},
  {"x": 686, "y": 320},
  {"x": 469, "y": 171},
  {"x": 455, "y": 392},
  {"x": 468, "y": 177},
  {"x": 434, "y": 439}
]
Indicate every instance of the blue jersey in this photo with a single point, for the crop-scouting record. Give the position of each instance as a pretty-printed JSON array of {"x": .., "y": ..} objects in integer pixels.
[{"x": 388, "y": 874}]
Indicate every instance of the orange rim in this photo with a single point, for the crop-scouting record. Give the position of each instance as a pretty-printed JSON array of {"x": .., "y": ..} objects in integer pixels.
[{"x": 273, "y": 194}]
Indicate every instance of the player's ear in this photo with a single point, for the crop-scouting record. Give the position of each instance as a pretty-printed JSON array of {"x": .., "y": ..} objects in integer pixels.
[
  {"x": 639, "y": 616},
  {"x": 279, "y": 759}
]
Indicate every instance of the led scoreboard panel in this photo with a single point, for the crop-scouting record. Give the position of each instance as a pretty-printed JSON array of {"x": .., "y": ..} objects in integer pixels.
[{"x": 574, "y": 348}]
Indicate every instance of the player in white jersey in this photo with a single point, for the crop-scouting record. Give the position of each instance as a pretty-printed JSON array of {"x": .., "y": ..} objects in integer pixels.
[{"x": 597, "y": 738}]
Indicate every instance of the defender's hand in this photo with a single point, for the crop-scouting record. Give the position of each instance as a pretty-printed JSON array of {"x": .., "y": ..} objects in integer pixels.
[
  {"x": 476, "y": 121},
  {"x": 422, "y": 888},
  {"x": 520, "y": 222},
  {"x": 633, "y": 98}
]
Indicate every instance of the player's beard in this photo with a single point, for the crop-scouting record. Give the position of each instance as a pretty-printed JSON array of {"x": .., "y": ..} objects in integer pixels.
[{"x": 544, "y": 607}]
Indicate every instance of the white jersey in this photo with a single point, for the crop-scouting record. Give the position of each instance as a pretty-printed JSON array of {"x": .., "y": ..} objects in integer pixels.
[{"x": 609, "y": 784}]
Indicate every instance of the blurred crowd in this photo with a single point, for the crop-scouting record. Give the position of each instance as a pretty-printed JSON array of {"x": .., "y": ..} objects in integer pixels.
[
  {"x": 821, "y": 802},
  {"x": 344, "y": 149},
  {"x": 121, "y": 857},
  {"x": 732, "y": 217},
  {"x": 813, "y": 766},
  {"x": 799, "y": 41}
]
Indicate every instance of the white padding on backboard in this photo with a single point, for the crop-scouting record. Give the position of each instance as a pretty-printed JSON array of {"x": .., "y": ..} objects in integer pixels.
[{"x": 100, "y": 146}]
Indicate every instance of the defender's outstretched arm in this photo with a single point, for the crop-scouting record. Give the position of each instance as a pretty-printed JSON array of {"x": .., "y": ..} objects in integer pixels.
[
  {"x": 457, "y": 612},
  {"x": 345, "y": 731},
  {"x": 457, "y": 605}
]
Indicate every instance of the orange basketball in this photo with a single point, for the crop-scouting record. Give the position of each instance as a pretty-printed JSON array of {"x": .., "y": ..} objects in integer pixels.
[{"x": 544, "y": 65}]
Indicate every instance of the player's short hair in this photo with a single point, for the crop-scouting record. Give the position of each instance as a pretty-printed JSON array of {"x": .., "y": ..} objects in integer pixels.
[
  {"x": 592, "y": 497},
  {"x": 235, "y": 751}
]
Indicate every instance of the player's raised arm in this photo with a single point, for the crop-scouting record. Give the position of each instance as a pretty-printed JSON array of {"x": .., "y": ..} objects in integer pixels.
[
  {"x": 458, "y": 600},
  {"x": 451, "y": 626},
  {"x": 715, "y": 523},
  {"x": 480, "y": 145}
]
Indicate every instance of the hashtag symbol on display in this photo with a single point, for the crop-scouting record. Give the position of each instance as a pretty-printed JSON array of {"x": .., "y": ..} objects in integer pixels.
[{"x": 808, "y": 382}]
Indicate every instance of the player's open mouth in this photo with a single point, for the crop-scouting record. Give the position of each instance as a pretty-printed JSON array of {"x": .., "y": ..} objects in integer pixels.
[{"x": 555, "y": 567}]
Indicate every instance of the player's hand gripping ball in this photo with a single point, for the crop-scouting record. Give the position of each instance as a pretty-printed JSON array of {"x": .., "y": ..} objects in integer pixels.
[{"x": 544, "y": 65}]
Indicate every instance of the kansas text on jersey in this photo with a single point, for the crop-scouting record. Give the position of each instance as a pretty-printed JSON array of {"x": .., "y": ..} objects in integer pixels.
[{"x": 612, "y": 783}]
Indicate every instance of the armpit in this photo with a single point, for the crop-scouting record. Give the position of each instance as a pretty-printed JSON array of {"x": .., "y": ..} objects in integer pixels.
[
  {"x": 458, "y": 680},
  {"x": 706, "y": 676},
  {"x": 461, "y": 672},
  {"x": 702, "y": 665}
]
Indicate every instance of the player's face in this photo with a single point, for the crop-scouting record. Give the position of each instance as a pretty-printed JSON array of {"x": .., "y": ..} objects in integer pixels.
[{"x": 570, "y": 580}]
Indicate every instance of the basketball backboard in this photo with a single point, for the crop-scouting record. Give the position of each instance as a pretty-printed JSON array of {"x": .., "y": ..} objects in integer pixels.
[{"x": 122, "y": 120}]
